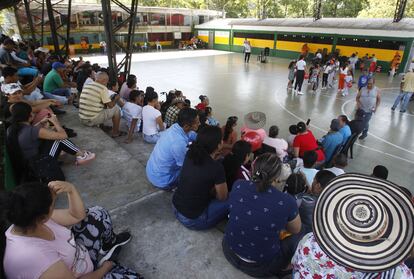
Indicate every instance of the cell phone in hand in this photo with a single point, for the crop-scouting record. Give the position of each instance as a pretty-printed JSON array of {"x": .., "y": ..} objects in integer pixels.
[{"x": 307, "y": 122}]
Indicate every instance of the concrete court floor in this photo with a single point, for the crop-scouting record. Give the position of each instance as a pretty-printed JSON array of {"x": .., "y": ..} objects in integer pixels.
[{"x": 235, "y": 88}]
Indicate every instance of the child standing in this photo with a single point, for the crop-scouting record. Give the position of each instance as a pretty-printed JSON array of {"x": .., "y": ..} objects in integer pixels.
[
  {"x": 314, "y": 78},
  {"x": 348, "y": 83},
  {"x": 291, "y": 76},
  {"x": 341, "y": 82}
]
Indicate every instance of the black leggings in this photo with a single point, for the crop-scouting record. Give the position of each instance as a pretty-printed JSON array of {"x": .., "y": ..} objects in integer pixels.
[
  {"x": 54, "y": 147},
  {"x": 300, "y": 75},
  {"x": 325, "y": 80},
  {"x": 247, "y": 57}
]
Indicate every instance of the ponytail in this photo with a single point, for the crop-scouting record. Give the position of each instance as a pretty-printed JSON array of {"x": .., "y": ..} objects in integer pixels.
[
  {"x": 266, "y": 169},
  {"x": 208, "y": 140},
  {"x": 228, "y": 129}
]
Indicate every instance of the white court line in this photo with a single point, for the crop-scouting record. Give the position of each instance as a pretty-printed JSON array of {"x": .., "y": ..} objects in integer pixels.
[
  {"x": 375, "y": 136},
  {"x": 325, "y": 131}
]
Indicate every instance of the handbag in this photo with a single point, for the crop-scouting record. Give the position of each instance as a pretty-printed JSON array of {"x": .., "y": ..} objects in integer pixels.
[{"x": 46, "y": 168}]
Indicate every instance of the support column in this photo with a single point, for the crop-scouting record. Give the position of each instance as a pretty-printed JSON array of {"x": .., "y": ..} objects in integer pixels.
[
  {"x": 110, "y": 46},
  {"x": 30, "y": 19},
  {"x": 52, "y": 23}
]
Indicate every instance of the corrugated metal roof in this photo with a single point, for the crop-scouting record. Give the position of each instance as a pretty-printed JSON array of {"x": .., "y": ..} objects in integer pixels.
[{"x": 406, "y": 24}]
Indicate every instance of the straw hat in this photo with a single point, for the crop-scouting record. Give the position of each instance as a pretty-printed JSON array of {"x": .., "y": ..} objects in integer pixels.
[
  {"x": 364, "y": 223},
  {"x": 255, "y": 120}
]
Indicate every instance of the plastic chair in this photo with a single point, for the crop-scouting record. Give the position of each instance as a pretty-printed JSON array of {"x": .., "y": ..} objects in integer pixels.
[
  {"x": 349, "y": 144},
  {"x": 337, "y": 151}
]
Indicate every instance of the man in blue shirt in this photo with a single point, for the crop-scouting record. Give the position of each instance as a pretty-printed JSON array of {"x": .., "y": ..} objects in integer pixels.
[
  {"x": 332, "y": 140},
  {"x": 167, "y": 158},
  {"x": 345, "y": 130},
  {"x": 363, "y": 79}
]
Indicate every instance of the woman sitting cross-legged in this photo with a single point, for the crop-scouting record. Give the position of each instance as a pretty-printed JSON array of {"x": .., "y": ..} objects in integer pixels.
[
  {"x": 258, "y": 213},
  {"x": 200, "y": 200},
  {"x": 39, "y": 243},
  {"x": 29, "y": 145}
]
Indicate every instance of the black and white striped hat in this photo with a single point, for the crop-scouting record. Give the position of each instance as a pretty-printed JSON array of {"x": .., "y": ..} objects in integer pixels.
[{"x": 364, "y": 223}]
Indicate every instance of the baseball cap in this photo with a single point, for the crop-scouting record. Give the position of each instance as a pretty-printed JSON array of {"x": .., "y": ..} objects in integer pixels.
[
  {"x": 57, "y": 65},
  {"x": 11, "y": 88}
]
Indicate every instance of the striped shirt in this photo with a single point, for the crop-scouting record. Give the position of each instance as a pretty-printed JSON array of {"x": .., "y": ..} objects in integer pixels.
[{"x": 92, "y": 101}]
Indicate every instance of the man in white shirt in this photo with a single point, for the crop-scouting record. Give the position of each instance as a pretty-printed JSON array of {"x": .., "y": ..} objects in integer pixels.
[
  {"x": 280, "y": 145},
  {"x": 300, "y": 75},
  {"x": 132, "y": 113},
  {"x": 247, "y": 51},
  {"x": 340, "y": 162},
  {"x": 151, "y": 119}
]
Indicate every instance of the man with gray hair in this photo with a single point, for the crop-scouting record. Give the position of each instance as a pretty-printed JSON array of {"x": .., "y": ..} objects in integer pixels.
[
  {"x": 95, "y": 106},
  {"x": 368, "y": 100}
]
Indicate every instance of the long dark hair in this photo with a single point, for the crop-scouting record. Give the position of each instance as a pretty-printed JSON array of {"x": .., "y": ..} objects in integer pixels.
[
  {"x": 265, "y": 169},
  {"x": 233, "y": 161},
  {"x": 208, "y": 140},
  {"x": 344, "y": 118},
  {"x": 20, "y": 113},
  {"x": 23, "y": 207},
  {"x": 228, "y": 129}
]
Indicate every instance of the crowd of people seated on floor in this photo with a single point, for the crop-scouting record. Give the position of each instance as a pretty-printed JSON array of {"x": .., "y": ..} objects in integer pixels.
[{"x": 286, "y": 201}]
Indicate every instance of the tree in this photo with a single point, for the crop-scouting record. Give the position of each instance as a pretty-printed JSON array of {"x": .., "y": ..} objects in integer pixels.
[
  {"x": 343, "y": 8},
  {"x": 384, "y": 9}
]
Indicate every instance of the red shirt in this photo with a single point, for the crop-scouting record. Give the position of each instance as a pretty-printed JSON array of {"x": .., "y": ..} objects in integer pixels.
[
  {"x": 201, "y": 106},
  {"x": 307, "y": 142}
]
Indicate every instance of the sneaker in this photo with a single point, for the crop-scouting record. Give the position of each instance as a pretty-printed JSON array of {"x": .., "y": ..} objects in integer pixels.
[
  {"x": 120, "y": 240},
  {"x": 300, "y": 93},
  {"x": 393, "y": 108},
  {"x": 111, "y": 256},
  {"x": 363, "y": 137},
  {"x": 85, "y": 158},
  {"x": 402, "y": 111}
]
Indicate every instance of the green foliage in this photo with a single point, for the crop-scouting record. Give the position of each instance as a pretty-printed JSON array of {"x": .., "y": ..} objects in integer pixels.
[{"x": 384, "y": 8}]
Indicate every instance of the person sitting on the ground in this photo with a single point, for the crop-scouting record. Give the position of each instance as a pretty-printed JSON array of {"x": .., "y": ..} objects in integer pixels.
[
  {"x": 296, "y": 186},
  {"x": 47, "y": 66},
  {"x": 357, "y": 125},
  {"x": 306, "y": 141},
  {"x": 200, "y": 199},
  {"x": 229, "y": 135},
  {"x": 6, "y": 48},
  {"x": 308, "y": 169},
  {"x": 369, "y": 215},
  {"x": 54, "y": 87},
  {"x": 332, "y": 140},
  {"x": 129, "y": 85},
  {"x": 254, "y": 122},
  {"x": 322, "y": 178},
  {"x": 29, "y": 143},
  {"x": 44, "y": 242},
  {"x": 132, "y": 113},
  {"x": 210, "y": 119},
  {"x": 345, "y": 130},
  {"x": 380, "y": 171},
  {"x": 82, "y": 76},
  {"x": 235, "y": 163},
  {"x": 279, "y": 144},
  {"x": 203, "y": 104},
  {"x": 30, "y": 90},
  {"x": 167, "y": 158},
  {"x": 14, "y": 94},
  {"x": 340, "y": 161},
  {"x": 166, "y": 105},
  {"x": 258, "y": 212},
  {"x": 293, "y": 131},
  {"x": 95, "y": 106},
  {"x": 173, "y": 110},
  {"x": 152, "y": 123}
]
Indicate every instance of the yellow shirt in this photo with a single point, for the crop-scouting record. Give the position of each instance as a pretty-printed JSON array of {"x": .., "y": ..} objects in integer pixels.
[
  {"x": 408, "y": 81},
  {"x": 92, "y": 101}
]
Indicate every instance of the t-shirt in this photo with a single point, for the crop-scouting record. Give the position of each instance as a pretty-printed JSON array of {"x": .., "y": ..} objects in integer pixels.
[
  {"x": 149, "y": 119},
  {"x": 29, "y": 141},
  {"x": 280, "y": 145},
  {"x": 327, "y": 69},
  {"x": 92, "y": 99},
  {"x": 125, "y": 90},
  {"x": 301, "y": 65},
  {"x": 348, "y": 79},
  {"x": 255, "y": 220},
  {"x": 247, "y": 48},
  {"x": 330, "y": 143},
  {"x": 195, "y": 184},
  {"x": 408, "y": 80},
  {"x": 345, "y": 132},
  {"x": 52, "y": 81},
  {"x": 167, "y": 158},
  {"x": 307, "y": 142},
  {"x": 310, "y": 262},
  {"x": 29, "y": 257},
  {"x": 336, "y": 171},
  {"x": 132, "y": 111}
]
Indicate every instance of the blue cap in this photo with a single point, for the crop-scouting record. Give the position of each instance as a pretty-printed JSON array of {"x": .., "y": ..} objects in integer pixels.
[{"x": 57, "y": 65}]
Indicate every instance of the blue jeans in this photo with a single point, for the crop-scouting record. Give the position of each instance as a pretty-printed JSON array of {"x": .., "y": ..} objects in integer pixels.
[
  {"x": 365, "y": 119},
  {"x": 65, "y": 92},
  {"x": 152, "y": 139},
  {"x": 27, "y": 71},
  {"x": 214, "y": 213},
  {"x": 404, "y": 98},
  {"x": 61, "y": 99}
]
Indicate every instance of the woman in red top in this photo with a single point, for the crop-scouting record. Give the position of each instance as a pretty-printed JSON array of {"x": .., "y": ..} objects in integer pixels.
[
  {"x": 203, "y": 104},
  {"x": 305, "y": 141}
]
